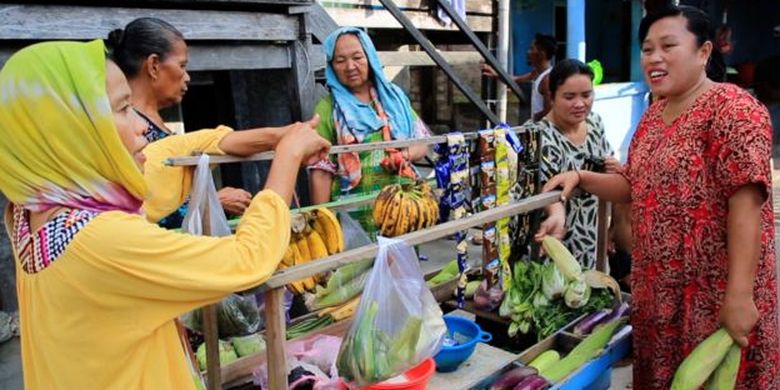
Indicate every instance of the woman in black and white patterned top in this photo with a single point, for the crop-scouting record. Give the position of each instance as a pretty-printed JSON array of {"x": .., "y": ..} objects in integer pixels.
[{"x": 572, "y": 138}]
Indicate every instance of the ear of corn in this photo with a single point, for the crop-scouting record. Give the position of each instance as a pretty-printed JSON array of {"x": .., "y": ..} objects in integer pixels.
[
  {"x": 702, "y": 361},
  {"x": 565, "y": 261},
  {"x": 725, "y": 376},
  {"x": 598, "y": 279}
]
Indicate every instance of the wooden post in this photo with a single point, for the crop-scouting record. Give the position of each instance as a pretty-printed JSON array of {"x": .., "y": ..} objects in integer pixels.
[
  {"x": 211, "y": 334},
  {"x": 276, "y": 345},
  {"x": 602, "y": 236}
]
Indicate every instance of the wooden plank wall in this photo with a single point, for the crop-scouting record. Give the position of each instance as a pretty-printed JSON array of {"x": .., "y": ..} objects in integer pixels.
[
  {"x": 371, "y": 14},
  {"x": 218, "y": 39}
]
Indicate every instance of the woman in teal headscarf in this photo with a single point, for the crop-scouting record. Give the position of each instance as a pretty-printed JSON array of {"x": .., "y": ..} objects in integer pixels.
[{"x": 363, "y": 106}]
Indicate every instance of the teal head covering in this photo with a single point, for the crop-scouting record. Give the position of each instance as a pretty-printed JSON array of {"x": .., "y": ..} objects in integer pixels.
[{"x": 360, "y": 117}]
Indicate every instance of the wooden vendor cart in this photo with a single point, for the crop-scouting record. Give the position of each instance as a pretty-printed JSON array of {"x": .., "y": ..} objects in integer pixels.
[{"x": 273, "y": 289}]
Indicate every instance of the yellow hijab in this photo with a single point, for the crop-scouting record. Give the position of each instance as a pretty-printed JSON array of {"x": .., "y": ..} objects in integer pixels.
[{"x": 58, "y": 142}]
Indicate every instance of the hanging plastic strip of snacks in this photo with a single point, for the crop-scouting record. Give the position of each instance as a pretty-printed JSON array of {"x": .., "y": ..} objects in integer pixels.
[
  {"x": 503, "y": 183},
  {"x": 486, "y": 147},
  {"x": 442, "y": 170},
  {"x": 455, "y": 194}
]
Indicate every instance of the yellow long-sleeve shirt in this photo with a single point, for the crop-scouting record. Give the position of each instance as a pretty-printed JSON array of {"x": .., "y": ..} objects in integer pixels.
[
  {"x": 168, "y": 187},
  {"x": 102, "y": 315}
]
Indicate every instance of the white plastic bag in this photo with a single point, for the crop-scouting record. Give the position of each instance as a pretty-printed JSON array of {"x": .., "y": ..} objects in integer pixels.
[
  {"x": 354, "y": 234},
  {"x": 398, "y": 323},
  {"x": 204, "y": 204}
]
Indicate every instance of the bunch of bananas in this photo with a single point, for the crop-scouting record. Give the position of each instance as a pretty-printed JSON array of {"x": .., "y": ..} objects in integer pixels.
[
  {"x": 343, "y": 311},
  {"x": 404, "y": 208},
  {"x": 315, "y": 234}
]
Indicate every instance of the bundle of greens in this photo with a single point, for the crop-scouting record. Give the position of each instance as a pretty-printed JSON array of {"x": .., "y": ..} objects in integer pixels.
[{"x": 537, "y": 299}]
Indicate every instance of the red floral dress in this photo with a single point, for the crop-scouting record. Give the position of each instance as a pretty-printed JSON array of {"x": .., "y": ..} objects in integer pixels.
[{"x": 681, "y": 177}]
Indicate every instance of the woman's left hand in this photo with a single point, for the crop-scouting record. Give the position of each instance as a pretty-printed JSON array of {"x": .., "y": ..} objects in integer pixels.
[
  {"x": 393, "y": 161},
  {"x": 611, "y": 164},
  {"x": 234, "y": 200},
  {"x": 739, "y": 315}
]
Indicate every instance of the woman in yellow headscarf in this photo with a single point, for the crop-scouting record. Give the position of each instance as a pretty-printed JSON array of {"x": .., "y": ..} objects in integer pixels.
[{"x": 98, "y": 285}]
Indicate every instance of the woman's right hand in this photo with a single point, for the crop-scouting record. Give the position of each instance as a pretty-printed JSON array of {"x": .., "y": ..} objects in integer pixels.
[
  {"x": 555, "y": 223},
  {"x": 302, "y": 139},
  {"x": 566, "y": 182},
  {"x": 488, "y": 70}
]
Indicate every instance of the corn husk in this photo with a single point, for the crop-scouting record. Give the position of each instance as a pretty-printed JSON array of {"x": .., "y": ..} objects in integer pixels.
[{"x": 702, "y": 361}]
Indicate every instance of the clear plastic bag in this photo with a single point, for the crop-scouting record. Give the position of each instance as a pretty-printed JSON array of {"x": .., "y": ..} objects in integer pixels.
[
  {"x": 237, "y": 315},
  {"x": 287, "y": 303},
  {"x": 354, "y": 235},
  {"x": 204, "y": 204},
  {"x": 398, "y": 323}
]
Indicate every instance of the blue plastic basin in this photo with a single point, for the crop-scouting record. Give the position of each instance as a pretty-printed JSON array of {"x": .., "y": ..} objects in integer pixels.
[{"x": 449, "y": 358}]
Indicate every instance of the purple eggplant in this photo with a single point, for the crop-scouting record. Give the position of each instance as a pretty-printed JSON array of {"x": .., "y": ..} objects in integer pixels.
[
  {"x": 616, "y": 313},
  {"x": 587, "y": 324},
  {"x": 533, "y": 382},
  {"x": 511, "y": 378}
]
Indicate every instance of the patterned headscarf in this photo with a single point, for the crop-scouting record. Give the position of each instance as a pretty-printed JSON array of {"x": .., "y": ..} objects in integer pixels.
[{"x": 58, "y": 142}]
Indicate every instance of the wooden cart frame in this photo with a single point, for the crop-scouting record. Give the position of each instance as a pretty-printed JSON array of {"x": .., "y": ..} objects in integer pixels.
[{"x": 273, "y": 288}]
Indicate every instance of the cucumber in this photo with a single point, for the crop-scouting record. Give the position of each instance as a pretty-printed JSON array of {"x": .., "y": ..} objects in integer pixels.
[{"x": 545, "y": 360}]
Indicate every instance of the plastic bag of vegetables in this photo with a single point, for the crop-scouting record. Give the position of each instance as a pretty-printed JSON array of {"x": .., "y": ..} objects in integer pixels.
[
  {"x": 354, "y": 235},
  {"x": 398, "y": 323},
  {"x": 237, "y": 315}
]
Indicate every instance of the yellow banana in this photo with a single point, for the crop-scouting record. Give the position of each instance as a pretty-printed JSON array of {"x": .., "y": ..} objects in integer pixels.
[
  {"x": 289, "y": 258},
  {"x": 414, "y": 214},
  {"x": 309, "y": 283},
  {"x": 316, "y": 246},
  {"x": 303, "y": 249},
  {"x": 346, "y": 310},
  {"x": 332, "y": 235},
  {"x": 433, "y": 211},
  {"x": 296, "y": 287},
  {"x": 392, "y": 214},
  {"x": 382, "y": 200},
  {"x": 402, "y": 226},
  {"x": 419, "y": 206}
]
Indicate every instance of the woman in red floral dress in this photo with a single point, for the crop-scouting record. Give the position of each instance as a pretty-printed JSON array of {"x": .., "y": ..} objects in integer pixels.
[{"x": 699, "y": 180}]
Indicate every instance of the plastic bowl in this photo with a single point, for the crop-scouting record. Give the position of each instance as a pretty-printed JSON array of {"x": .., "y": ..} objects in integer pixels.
[
  {"x": 417, "y": 378},
  {"x": 449, "y": 358}
]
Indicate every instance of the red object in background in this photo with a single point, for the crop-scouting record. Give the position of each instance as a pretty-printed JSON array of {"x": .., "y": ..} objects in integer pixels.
[
  {"x": 747, "y": 72},
  {"x": 416, "y": 378}
]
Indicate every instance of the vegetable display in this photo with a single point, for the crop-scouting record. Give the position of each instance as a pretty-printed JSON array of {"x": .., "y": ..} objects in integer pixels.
[
  {"x": 247, "y": 345},
  {"x": 529, "y": 308},
  {"x": 227, "y": 354},
  {"x": 307, "y": 326}
]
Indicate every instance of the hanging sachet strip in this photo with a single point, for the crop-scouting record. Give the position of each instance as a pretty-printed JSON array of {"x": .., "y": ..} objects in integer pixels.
[
  {"x": 486, "y": 147},
  {"x": 452, "y": 173},
  {"x": 503, "y": 183}
]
